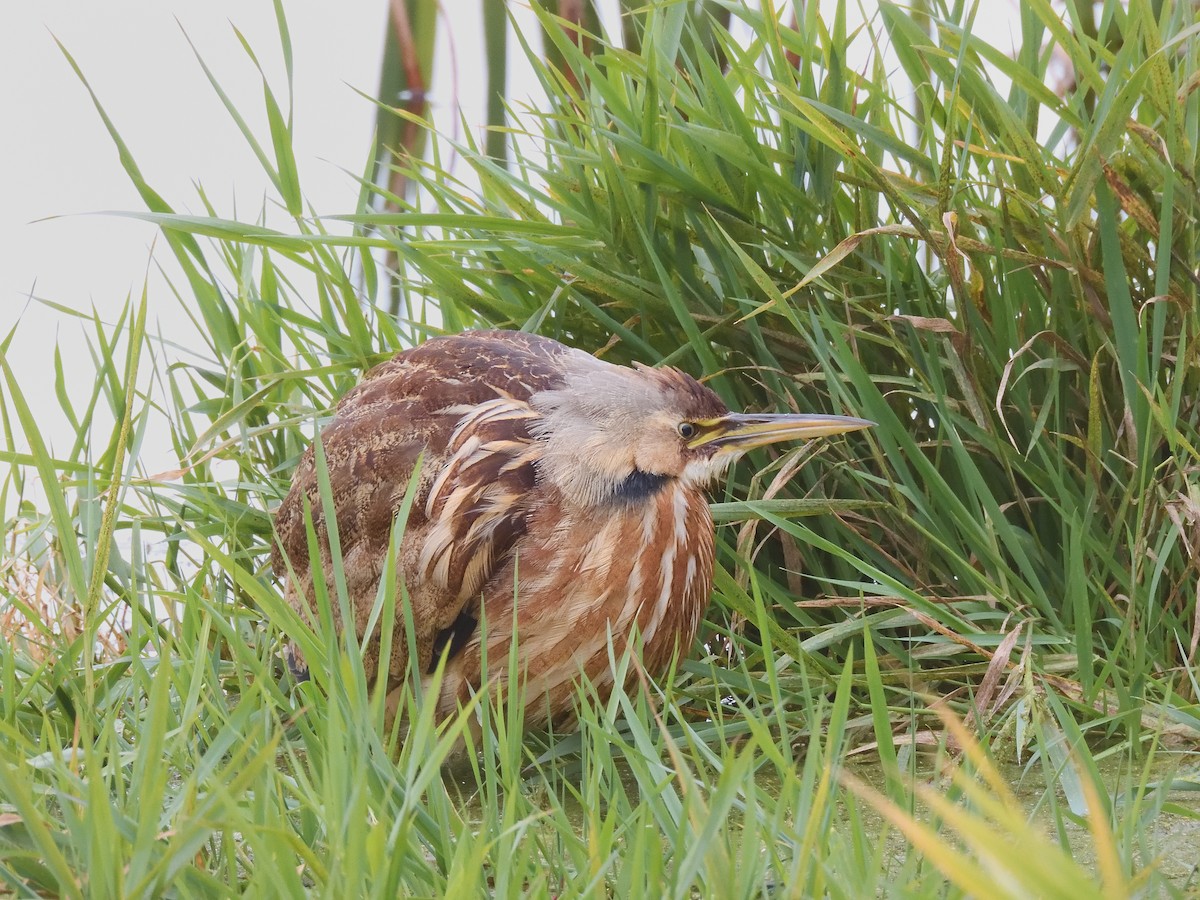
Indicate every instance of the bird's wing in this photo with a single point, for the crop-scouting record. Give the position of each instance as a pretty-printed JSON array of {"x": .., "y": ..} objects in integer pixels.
[
  {"x": 479, "y": 499},
  {"x": 463, "y": 402}
]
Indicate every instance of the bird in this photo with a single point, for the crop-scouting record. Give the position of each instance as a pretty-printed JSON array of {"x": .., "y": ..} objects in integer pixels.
[{"x": 559, "y": 496}]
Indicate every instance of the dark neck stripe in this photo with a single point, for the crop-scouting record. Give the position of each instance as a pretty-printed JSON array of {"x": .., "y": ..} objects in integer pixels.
[{"x": 639, "y": 486}]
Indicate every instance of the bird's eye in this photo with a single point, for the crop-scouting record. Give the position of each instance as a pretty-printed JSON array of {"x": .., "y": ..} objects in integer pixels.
[{"x": 687, "y": 430}]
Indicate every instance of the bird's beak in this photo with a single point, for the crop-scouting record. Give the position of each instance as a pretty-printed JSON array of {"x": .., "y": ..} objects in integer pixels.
[{"x": 739, "y": 432}]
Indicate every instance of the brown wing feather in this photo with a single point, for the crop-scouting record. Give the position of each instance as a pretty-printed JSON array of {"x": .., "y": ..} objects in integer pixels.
[{"x": 461, "y": 399}]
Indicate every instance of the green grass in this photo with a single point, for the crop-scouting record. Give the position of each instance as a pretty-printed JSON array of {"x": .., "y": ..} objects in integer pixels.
[{"x": 1002, "y": 276}]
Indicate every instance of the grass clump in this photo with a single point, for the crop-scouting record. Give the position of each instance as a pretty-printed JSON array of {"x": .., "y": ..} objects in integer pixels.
[{"x": 1002, "y": 275}]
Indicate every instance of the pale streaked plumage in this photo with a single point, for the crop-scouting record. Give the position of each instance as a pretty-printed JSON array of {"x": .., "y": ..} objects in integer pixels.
[{"x": 573, "y": 485}]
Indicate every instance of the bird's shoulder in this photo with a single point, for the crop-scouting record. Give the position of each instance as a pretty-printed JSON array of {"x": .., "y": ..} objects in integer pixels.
[{"x": 462, "y": 401}]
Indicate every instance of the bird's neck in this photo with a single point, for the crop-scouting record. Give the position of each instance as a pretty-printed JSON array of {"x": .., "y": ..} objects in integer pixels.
[{"x": 639, "y": 487}]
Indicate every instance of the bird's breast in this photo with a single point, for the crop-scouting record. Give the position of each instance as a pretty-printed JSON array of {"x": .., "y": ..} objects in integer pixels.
[
  {"x": 646, "y": 566},
  {"x": 622, "y": 569}
]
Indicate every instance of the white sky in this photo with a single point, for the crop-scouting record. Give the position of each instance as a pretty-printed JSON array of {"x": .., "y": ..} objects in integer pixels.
[{"x": 56, "y": 160}]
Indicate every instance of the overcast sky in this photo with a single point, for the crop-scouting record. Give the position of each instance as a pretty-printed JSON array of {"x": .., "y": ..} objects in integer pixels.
[{"x": 56, "y": 160}]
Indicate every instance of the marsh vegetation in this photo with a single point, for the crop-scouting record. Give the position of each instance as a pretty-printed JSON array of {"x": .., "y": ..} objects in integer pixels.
[{"x": 993, "y": 260}]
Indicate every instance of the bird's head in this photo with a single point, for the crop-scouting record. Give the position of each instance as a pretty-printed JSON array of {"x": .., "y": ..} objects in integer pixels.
[{"x": 614, "y": 434}]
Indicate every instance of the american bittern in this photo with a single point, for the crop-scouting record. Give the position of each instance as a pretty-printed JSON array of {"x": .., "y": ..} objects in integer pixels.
[{"x": 569, "y": 486}]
